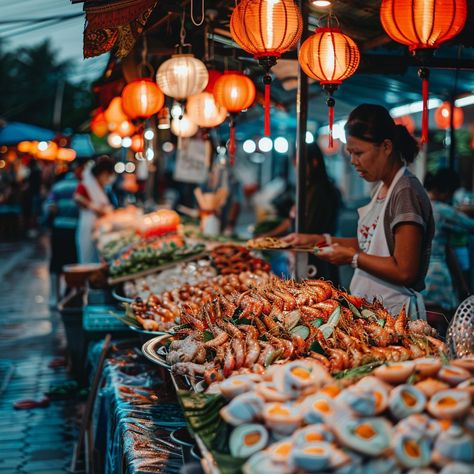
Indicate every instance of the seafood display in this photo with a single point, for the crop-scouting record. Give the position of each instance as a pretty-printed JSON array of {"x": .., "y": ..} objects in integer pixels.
[
  {"x": 296, "y": 418},
  {"x": 285, "y": 320},
  {"x": 236, "y": 259},
  {"x": 190, "y": 273},
  {"x": 267, "y": 243},
  {"x": 152, "y": 252},
  {"x": 161, "y": 312}
]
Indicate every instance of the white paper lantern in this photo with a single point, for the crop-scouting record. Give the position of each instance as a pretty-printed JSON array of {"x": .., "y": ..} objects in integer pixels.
[
  {"x": 203, "y": 110},
  {"x": 183, "y": 127},
  {"x": 181, "y": 76}
]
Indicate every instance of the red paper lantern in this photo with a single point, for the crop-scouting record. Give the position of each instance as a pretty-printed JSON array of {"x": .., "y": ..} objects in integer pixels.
[
  {"x": 138, "y": 143},
  {"x": 407, "y": 121},
  {"x": 142, "y": 98},
  {"x": 329, "y": 56},
  {"x": 214, "y": 74},
  {"x": 423, "y": 25},
  {"x": 266, "y": 29},
  {"x": 99, "y": 126},
  {"x": 235, "y": 92},
  {"x": 442, "y": 116}
]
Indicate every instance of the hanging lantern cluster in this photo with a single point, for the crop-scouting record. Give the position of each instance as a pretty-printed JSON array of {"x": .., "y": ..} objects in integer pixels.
[
  {"x": 266, "y": 29},
  {"x": 330, "y": 57},
  {"x": 235, "y": 92},
  {"x": 442, "y": 116},
  {"x": 99, "y": 126},
  {"x": 423, "y": 25}
]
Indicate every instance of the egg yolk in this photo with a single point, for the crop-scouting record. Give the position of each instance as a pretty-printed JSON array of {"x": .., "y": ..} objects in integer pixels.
[
  {"x": 283, "y": 449},
  {"x": 365, "y": 430},
  {"x": 445, "y": 424},
  {"x": 314, "y": 450},
  {"x": 331, "y": 390},
  {"x": 251, "y": 438},
  {"x": 301, "y": 373},
  {"x": 412, "y": 449},
  {"x": 451, "y": 372},
  {"x": 408, "y": 398},
  {"x": 378, "y": 399},
  {"x": 322, "y": 405},
  {"x": 447, "y": 402},
  {"x": 314, "y": 437},
  {"x": 278, "y": 410},
  {"x": 395, "y": 367},
  {"x": 237, "y": 382}
]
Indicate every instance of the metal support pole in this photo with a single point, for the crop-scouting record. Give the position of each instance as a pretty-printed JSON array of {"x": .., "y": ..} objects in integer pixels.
[
  {"x": 301, "y": 149},
  {"x": 452, "y": 137}
]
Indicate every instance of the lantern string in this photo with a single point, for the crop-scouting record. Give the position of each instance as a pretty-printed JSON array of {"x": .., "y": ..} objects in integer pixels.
[
  {"x": 203, "y": 15},
  {"x": 266, "y": 123},
  {"x": 232, "y": 139},
  {"x": 424, "y": 74}
]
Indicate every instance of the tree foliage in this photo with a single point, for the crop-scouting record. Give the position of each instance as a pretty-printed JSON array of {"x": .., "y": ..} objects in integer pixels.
[{"x": 29, "y": 82}]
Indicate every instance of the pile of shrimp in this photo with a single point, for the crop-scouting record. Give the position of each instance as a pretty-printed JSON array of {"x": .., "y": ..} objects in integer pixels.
[
  {"x": 247, "y": 332},
  {"x": 160, "y": 312}
]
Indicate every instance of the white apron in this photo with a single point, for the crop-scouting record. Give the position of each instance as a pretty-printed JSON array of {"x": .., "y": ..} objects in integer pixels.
[
  {"x": 368, "y": 286},
  {"x": 86, "y": 249}
]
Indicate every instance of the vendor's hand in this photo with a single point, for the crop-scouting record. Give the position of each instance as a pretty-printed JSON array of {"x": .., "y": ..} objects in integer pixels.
[
  {"x": 305, "y": 240},
  {"x": 340, "y": 255}
]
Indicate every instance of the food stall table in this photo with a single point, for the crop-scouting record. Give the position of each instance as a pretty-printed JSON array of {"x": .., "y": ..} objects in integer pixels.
[{"x": 134, "y": 413}]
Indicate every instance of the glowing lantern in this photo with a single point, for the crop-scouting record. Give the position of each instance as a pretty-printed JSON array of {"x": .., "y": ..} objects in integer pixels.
[
  {"x": 26, "y": 147},
  {"x": 325, "y": 149},
  {"x": 183, "y": 127},
  {"x": 423, "y": 25},
  {"x": 214, "y": 74},
  {"x": 47, "y": 153},
  {"x": 329, "y": 56},
  {"x": 99, "y": 125},
  {"x": 66, "y": 154},
  {"x": 407, "y": 121},
  {"x": 142, "y": 98},
  {"x": 125, "y": 129},
  {"x": 442, "y": 116},
  {"x": 181, "y": 76},
  {"x": 138, "y": 143},
  {"x": 203, "y": 110},
  {"x": 114, "y": 113},
  {"x": 266, "y": 29},
  {"x": 114, "y": 140},
  {"x": 235, "y": 92}
]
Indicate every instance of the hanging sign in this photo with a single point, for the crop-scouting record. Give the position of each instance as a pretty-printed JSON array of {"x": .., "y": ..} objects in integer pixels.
[{"x": 193, "y": 158}]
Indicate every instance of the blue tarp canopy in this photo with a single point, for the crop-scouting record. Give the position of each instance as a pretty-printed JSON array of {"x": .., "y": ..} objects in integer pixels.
[{"x": 16, "y": 132}]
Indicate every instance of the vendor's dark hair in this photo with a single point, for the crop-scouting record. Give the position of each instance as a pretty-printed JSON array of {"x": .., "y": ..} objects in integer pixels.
[
  {"x": 373, "y": 123},
  {"x": 104, "y": 164}
]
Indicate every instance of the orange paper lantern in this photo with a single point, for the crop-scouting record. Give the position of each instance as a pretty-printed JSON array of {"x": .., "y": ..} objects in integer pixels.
[
  {"x": 329, "y": 56},
  {"x": 114, "y": 114},
  {"x": 235, "y": 92},
  {"x": 125, "y": 129},
  {"x": 99, "y": 125},
  {"x": 203, "y": 110},
  {"x": 142, "y": 98},
  {"x": 423, "y": 25},
  {"x": 442, "y": 116},
  {"x": 138, "y": 143},
  {"x": 266, "y": 29}
]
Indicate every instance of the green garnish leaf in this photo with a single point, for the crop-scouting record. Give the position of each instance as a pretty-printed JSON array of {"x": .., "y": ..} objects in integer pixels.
[
  {"x": 317, "y": 322},
  {"x": 208, "y": 336},
  {"x": 316, "y": 347}
]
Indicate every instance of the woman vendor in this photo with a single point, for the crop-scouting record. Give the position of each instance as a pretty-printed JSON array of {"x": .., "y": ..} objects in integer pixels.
[
  {"x": 93, "y": 203},
  {"x": 392, "y": 249}
]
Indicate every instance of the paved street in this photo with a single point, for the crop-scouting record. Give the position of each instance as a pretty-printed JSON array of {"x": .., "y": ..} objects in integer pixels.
[{"x": 39, "y": 440}]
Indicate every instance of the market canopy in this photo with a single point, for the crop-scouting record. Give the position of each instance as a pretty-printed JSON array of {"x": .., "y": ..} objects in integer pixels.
[{"x": 16, "y": 132}]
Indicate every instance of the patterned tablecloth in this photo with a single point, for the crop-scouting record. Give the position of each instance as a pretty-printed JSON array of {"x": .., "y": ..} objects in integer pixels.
[{"x": 134, "y": 413}]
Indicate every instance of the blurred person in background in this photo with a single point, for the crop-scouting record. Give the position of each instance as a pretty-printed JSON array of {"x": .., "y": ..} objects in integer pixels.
[
  {"x": 93, "y": 201},
  {"x": 441, "y": 294},
  {"x": 62, "y": 214},
  {"x": 31, "y": 198}
]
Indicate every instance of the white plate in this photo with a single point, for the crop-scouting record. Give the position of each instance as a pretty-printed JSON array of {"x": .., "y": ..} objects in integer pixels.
[{"x": 155, "y": 350}]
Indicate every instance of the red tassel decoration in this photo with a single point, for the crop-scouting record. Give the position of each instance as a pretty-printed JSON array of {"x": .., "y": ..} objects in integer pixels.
[
  {"x": 266, "y": 124},
  {"x": 232, "y": 141},
  {"x": 424, "y": 74},
  {"x": 330, "y": 103}
]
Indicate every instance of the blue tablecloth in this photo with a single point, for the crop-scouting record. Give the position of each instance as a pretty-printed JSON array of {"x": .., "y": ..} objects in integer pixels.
[{"x": 134, "y": 413}]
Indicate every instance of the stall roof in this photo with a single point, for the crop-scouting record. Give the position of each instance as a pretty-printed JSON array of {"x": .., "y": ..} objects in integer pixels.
[{"x": 15, "y": 132}]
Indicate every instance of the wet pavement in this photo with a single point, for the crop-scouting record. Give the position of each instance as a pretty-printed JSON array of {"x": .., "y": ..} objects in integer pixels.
[{"x": 37, "y": 440}]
